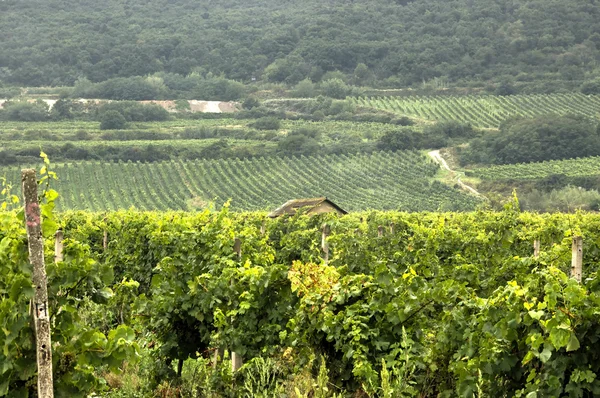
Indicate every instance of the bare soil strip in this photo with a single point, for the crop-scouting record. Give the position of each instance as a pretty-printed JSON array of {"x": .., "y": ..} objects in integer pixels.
[
  {"x": 437, "y": 157},
  {"x": 171, "y": 106}
]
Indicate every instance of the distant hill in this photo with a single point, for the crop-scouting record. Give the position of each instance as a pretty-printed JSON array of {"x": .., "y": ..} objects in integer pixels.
[{"x": 526, "y": 45}]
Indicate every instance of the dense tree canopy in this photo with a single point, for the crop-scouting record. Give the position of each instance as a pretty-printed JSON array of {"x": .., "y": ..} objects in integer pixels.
[
  {"x": 534, "y": 45},
  {"x": 522, "y": 140}
]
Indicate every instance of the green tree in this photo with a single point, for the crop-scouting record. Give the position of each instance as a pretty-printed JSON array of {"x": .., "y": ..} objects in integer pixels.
[
  {"x": 535, "y": 139},
  {"x": 361, "y": 73},
  {"x": 336, "y": 88},
  {"x": 25, "y": 111},
  {"x": 251, "y": 102},
  {"x": 112, "y": 120},
  {"x": 62, "y": 110},
  {"x": 591, "y": 86},
  {"x": 304, "y": 89},
  {"x": 266, "y": 123},
  {"x": 301, "y": 141}
]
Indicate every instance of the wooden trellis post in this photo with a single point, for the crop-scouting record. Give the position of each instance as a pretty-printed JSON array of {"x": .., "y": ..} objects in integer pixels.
[
  {"x": 326, "y": 230},
  {"x": 392, "y": 225},
  {"x": 105, "y": 235},
  {"x": 577, "y": 258},
  {"x": 380, "y": 231},
  {"x": 58, "y": 246},
  {"x": 41, "y": 317},
  {"x": 236, "y": 358},
  {"x": 237, "y": 248},
  {"x": 263, "y": 227},
  {"x": 536, "y": 248}
]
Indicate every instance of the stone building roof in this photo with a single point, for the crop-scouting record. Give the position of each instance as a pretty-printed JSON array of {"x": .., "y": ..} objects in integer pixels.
[{"x": 291, "y": 206}]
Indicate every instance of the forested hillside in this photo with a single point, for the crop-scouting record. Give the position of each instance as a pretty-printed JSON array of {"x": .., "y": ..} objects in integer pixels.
[{"x": 506, "y": 45}]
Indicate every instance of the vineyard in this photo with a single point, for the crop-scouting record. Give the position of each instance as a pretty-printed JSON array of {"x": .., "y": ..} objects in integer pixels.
[
  {"x": 402, "y": 180},
  {"x": 583, "y": 167},
  {"x": 20, "y": 142},
  {"x": 171, "y": 145},
  {"x": 485, "y": 111},
  {"x": 11, "y": 131},
  {"x": 398, "y": 305}
]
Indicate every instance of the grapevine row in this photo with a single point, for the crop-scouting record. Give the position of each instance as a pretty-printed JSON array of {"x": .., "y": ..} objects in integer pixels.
[
  {"x": 485, "y": 111},
  {"x": 402, "y": 180},
  {"x": 589, "y": 166}
]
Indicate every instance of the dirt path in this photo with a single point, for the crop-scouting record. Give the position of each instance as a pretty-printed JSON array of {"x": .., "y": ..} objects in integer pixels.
[
  {"x": 437, "y": 157},
  {"x": 212, "y": 106}
]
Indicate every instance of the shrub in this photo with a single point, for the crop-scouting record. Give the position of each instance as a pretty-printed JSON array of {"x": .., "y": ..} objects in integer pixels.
[
  {"x": 591, "y": 86},
  {"x": 134, "y": 111},
  {"x": 266, "y": 123},
  {"x": 23, "y": 111},
  {"x": 68, "y": 109},
  {"x": 336, "y": 88},
  {"x": 318, "y": 115},
  {"x": 304, "y": 89},
  {"x": 251, "y": 102},
  {"x": 567, "y": 199},
  {"x": 301, "y": 141},
  {"x": 129, "y": 88},
  {"x": 452, "y": 129},
  {"x": 217, "y": 88},
  {"x": 409, "y": 139},
  {"x": 112, "y": 120},
  {"x": 9, "y": 92},
  {"x": 7, "y": 157},
  {"x": 403, "y": 121},
  {"x": 534, "y": 140}
]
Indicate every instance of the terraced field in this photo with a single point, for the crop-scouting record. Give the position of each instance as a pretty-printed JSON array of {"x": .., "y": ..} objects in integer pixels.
[
  {"x": 401, "y": 180},
  {"x": 485, "y": 111},
  {"x": 589, "y": 166}
]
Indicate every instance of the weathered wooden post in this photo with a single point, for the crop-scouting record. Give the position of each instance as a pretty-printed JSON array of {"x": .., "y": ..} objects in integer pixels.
[
  {"x": 392, "y": 225},
  {"x": 577, "y": 258},
  {"x": 380, "y": 231},
  {"x": 263, "y": 227},
  {"x": 41, "y": 318},
  {"x": 236, "y": 358},
  {"x": 236, "y": 361},
  {"x": 326, "y": 230},
  {"x": 237, "y": 248},
  {"x": 536, "y": 248},
  {"x": 105, "y": 240},
  {"x": 58, "y": 246}
]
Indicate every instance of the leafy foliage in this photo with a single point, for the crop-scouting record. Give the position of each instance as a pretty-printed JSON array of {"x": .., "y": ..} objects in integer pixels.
[
  {"x": 534, "y": 140},
  {"x": 112, "y": 120},
  {"x": 78, "y": 350},
  {"x": 529, "y": 45},
  {"x": 133, "y": 111},
  {"x": 438, "y": 304},
  {"x": 25, "y": 111},
  {"x": 407, "y": 304}
]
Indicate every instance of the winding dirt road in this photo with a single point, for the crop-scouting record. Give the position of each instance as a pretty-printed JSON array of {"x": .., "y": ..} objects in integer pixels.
[{"x": 437, "y": 157}]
